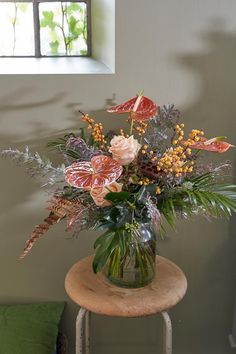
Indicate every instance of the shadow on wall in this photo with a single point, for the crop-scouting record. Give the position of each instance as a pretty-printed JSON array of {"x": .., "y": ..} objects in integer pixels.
[
  {"x": 11, "y": 104},
  {"x": 9, "y": 101},
  {"x": 215, "y": 67}
]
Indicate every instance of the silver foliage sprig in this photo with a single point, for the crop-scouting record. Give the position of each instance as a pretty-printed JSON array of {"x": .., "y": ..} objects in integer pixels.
[
  {"x": 38, "y": 166},
  {"x": 157, "y": 132}
]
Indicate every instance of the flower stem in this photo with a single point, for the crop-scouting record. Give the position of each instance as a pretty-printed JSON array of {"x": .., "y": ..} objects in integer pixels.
[
  {"x": 136, "y": 105},
  {"x": 131, "y": 126}
]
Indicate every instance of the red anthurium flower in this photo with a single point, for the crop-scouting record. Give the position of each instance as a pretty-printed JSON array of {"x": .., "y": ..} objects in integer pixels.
[
  {"x": 100, "y": 171},
  {"x": 214, "y": 145},
  {"x": 139, "y": 107}
]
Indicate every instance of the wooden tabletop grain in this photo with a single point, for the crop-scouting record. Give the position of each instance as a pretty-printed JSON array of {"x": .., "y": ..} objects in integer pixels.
[{"x": 95, "y": 293}]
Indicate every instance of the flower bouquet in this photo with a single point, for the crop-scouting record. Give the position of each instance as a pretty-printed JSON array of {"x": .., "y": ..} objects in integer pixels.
[{"x": 131, "y": 184}]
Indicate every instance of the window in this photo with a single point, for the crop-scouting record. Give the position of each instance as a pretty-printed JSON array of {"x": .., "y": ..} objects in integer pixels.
[{"x": 45, "y": 28}]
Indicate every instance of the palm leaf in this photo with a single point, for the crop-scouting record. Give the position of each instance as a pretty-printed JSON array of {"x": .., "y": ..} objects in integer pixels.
[{"x": 204, "y": 195}]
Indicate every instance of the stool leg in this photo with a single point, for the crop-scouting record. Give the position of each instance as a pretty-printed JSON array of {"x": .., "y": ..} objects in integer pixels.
[
  {"x": 80, "y": 330},
  {"x": 167, "y": 334},
  {"x": 87, "y": 332}
]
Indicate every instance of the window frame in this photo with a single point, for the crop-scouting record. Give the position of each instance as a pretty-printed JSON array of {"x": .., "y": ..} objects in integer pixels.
[{"x": 36, "y": 25}]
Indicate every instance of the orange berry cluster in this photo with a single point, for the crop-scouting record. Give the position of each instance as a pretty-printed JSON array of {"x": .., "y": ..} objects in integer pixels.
[
  {"x": 149, "y": 153},
  {"x": 174, "y": 160},
  {"x": 144, "y": 149},
  {"x": 89, "y": 120},
  {"x": 96, "y": 128},
  {"x": 144, "y": 181},
  {"x": 140, "y": 127},
  {"x": 179, "y": 134},
  {"x": 97, "y": 133},
  {"x": 194, "y": 136}
]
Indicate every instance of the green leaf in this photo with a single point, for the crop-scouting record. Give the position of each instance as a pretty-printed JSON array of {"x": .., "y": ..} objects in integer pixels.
[
  {"x": 47, "y": 20},
  {"x": 114, "y": 214},
  {"x": 115, "y": 261},
  {"x": 82, "y": 134},
  {"x": 106, "y": 246},
  {"x": 100, "y": 260},
  {"x": 91, "y": 140},
  {"x": 202, "y": 180},
  {"x": 122, "y": 242},
  {"x": 204, "y": 195},
  {"x": 117, "y": 197},
  {"x": 72, "y": 24},
  {"x": 105, "y": 238},
  {"x": 104, "y": 225},
  {"x": 54, "y": 47},
  {"x": 73, "y": 7},
  {"x": 169, "y": 218},
  {"x": 54, "y": 36}
]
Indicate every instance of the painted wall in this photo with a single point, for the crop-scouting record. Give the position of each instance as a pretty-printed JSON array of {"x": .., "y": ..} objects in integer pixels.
[{"x": 177, "y": 51}]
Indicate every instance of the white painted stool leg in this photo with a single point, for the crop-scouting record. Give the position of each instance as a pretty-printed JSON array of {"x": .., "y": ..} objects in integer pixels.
[
  {"x": 167, "y": 334},
  {"x": 80, "y": 331},
  {"x": 87, "y": 332}
]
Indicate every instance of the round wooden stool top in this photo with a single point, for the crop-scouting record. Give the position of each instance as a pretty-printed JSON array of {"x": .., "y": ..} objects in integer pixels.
[{"x": 96, "y": 294}]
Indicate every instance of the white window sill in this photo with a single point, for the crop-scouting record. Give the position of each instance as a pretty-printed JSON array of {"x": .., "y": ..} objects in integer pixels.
[{"x": 53, "y": 66}]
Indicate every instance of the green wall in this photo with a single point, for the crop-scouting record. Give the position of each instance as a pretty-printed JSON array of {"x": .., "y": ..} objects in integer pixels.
[{"x": 177, "y": 51}]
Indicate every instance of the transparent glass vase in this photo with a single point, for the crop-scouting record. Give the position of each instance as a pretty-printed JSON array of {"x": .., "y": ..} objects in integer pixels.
[{"x": 137, "y": 267}]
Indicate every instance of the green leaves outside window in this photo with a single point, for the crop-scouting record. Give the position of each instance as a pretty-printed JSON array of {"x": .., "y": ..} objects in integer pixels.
[{"x": 56, "y": 28}]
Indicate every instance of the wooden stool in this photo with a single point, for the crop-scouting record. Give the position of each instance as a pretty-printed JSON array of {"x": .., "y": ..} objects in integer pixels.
[{"x": 94, "y": 293}]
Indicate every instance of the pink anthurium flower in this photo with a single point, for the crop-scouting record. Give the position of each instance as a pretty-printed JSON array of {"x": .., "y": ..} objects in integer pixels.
[
  {"x": 215, "y": 145},
  {"x": 100, "y": 171},
  {"x": 139, "y": 107}
]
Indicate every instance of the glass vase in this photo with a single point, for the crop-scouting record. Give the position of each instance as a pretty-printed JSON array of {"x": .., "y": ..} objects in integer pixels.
[{"x": 137, "y": 267}]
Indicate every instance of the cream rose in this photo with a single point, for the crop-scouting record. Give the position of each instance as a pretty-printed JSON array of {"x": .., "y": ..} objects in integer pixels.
[
  {"x": 124, "y": 150},
  {"x": 98, "y": 194}
]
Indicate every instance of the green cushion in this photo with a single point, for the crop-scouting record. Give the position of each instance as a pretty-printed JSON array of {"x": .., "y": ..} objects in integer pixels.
[{"x": 29, "y": 329}]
